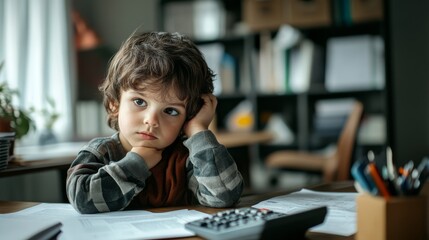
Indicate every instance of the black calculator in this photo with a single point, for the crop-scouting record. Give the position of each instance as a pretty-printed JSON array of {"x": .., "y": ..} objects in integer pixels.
[{"x": 254, "y": 223}]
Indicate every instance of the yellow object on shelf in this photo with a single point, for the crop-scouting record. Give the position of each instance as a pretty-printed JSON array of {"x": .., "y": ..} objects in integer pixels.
[{"x": 241, "y": 117}]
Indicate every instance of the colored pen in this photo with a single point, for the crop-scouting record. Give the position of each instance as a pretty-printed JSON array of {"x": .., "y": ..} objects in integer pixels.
[
  {"x": 358, "y": 173},
  {"x": 391, "y": 173},
  {"x": 406, "y": 177},
  {"x": 423, "y": 169},
  {"x": 376, "y": 177},
  {"x": 391, "y": 169},
  {"x": 423, "y": 173}
]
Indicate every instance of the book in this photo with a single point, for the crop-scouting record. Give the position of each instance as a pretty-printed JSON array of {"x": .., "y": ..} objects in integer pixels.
[
  {"x": 301, "y": 60},
  {"x": 354, "y": 63},
  {"x": 213, "y": 54}
]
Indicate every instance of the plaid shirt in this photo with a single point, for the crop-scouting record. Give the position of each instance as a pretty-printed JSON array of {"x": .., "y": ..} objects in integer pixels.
[{"x": 105, "y": 177}]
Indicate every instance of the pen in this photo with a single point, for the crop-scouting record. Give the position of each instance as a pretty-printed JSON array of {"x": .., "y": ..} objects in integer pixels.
[
  {"x": 391, "y": 169},
  {"x": 423, "y": 173},
  {"x": 376, "y": 177},
  {"x": 358, "y": 173},
  {"x": 406, "y": 184},
  {"x": 423, "y": 169},
  {"x": 392, "y": 174}
]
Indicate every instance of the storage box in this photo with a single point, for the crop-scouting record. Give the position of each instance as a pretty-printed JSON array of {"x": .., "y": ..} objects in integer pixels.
[
  {"x": 307, "y": 13},
  {"x": 271, "y": 14},
  {"x": 263, "y": 14},
  {"x": 366, "y": 10},
  {"x": 397, "y": 218}
]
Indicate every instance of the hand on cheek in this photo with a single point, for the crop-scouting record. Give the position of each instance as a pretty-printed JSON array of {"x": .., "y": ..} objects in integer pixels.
[{"x": 203, "y": 118}]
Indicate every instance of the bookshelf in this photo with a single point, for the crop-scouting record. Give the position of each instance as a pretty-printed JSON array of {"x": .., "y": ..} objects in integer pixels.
[{"x": 297, "y": 108}]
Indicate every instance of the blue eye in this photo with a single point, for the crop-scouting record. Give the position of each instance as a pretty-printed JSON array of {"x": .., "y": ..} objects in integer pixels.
[
  {"x": 140, "y": 102},
  {"x": 171, "y": 111}
]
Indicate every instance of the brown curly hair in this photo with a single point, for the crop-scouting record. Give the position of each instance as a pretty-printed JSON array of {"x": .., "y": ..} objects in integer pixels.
[{"x": 160, "y": 60}]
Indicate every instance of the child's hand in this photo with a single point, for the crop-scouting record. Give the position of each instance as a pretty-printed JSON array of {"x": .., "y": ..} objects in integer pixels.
[
  {"x": 150, "y": 155},
  {"x": 204, "y": 117}
]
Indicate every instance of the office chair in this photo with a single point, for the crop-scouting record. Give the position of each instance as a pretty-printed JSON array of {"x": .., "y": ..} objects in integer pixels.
[{"x": 332, "y": 167}]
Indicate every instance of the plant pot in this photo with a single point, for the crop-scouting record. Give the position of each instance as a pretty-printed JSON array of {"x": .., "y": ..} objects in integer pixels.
[
  {"x": 5, "y": 125},
  {"x": 47, "y": 137}
]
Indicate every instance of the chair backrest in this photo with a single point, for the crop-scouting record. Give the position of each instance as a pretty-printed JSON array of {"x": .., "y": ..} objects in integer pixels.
[{"x": 339, "y": 168}]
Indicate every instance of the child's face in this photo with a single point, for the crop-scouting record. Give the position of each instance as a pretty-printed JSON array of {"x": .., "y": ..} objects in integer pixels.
[{"x": 146, "y": 120}]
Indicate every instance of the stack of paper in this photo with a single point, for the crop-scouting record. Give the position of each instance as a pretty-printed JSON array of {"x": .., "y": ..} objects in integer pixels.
[
  {"x": 139, "y": 224},
  {"x": 136, "y": 224},
  {"x": 22, "y": 227},
  {"x": 341, "y": 217}
]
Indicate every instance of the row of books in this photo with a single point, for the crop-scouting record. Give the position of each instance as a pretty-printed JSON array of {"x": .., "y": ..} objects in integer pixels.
[
  {"x": 289, "y": 63},
  {"x": 347, "y": 12},
  {"x": 268, "y": 15}
]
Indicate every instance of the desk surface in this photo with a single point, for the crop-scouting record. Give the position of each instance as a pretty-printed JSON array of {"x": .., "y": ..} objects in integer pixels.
[{"x": 10, "y": 206}]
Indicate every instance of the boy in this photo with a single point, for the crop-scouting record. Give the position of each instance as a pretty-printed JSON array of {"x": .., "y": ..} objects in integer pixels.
[{"x": 158, "y": 96}]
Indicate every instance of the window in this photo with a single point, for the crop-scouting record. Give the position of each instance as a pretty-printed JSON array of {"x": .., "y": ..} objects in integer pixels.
[{"x": 37, "y": 51}]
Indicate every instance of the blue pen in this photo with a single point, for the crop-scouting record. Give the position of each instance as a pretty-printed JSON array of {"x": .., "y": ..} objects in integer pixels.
[{"x": 358, "y": 173}]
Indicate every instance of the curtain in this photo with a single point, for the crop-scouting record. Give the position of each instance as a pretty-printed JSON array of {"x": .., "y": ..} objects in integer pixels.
[{"x": 37, "y": 50}]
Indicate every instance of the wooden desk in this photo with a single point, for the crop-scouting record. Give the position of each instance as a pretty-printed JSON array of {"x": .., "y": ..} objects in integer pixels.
[{"x": 9, "y": 207}]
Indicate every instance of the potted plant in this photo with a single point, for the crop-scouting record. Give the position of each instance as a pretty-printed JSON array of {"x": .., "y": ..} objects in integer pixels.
[{"x": 13, "y": 118}]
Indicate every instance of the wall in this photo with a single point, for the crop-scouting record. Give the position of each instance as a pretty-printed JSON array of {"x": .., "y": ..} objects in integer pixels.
[{"x": 115, "y": 20}]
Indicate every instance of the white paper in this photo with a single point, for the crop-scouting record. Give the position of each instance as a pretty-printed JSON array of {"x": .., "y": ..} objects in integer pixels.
[
  {"x": 341, "y": 216},
  {"x": 135, "y": 224},
  {"x": 21, "y": 227}
]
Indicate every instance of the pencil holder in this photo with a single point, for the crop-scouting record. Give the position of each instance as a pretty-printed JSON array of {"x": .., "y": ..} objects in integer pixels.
[{"x": 391, "y": 219}]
